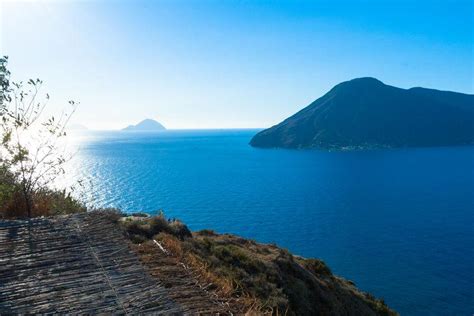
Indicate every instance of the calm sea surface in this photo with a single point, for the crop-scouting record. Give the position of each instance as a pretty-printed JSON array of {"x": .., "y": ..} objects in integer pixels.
[{"x": 399, "y": 223}]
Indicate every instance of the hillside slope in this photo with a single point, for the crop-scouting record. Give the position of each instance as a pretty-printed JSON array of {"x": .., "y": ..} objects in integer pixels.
[
  {"x": 366, "y": 113},
  {"x": 98, "y": 262},
  {"x": 253, "y": 278}
]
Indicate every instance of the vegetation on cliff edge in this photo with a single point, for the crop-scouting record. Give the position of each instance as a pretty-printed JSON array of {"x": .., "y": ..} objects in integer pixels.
[
  {"x": 265, "y": 278},
  {"x": 31, "y": 154}
]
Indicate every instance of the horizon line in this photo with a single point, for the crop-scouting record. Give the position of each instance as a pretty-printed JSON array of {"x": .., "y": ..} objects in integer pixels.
[{"x": 166, "y": 129}]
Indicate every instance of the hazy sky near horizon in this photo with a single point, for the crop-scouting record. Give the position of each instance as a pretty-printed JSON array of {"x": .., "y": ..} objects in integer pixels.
[{"x": 218, "y": 64}]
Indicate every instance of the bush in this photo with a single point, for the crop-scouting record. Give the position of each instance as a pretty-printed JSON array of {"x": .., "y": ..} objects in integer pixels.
[
  {"x": 111, "y": 213},
  {"x": 145, "y": 228},
  {"x": 44, "y": 203},
  {"x": 140, "y": 214},
  {"x": 207, "y": 232},
  {"x": 317, "y": 267},
  {"x": 180, "y": 230}
]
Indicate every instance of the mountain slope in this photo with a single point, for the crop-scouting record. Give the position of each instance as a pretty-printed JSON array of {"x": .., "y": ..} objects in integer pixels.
[
  {"x": 366, "y": 113},
  {"x": 248, "y": 277},
  {"x": 146, "y": 125}
]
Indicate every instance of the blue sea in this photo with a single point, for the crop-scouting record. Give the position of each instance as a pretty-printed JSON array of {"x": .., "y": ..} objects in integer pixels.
[{"x": 399, "y": 223}]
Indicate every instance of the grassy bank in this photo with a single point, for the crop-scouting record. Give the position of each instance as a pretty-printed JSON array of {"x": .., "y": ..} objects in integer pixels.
[
  {"x": 44, "y": 201},
  {"x": 263, "y": 278}
]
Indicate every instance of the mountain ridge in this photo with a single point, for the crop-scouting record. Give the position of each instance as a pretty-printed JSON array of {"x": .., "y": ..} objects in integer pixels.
[{"x": 366, "y": 113}]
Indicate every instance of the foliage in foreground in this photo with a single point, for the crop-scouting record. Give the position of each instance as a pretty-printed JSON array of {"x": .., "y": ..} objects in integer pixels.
[
  {"x": 31, "y": 154},
  {"x": 45, "y": 202},
  {"x": 265, "y": 278}
]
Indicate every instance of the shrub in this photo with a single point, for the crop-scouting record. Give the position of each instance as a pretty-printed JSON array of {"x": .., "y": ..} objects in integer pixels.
[
  {"x": 147, "y": 227},
  {"x": 113, "y": 214},
  {"x": 44, "y": 203},
  {"x": 207, "y": 232},
  {"x": 158, "y": 224},
  {"x": 180, "y": 230},
  {"x": 139, "y": 214},
  {"x": 317, "y": 267}
]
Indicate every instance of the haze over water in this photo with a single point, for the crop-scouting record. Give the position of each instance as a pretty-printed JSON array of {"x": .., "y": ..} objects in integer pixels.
[{"x": 399, "y": 223}]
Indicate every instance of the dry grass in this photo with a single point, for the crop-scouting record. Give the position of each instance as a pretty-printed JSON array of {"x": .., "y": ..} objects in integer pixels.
[
  {"x": 44, "y": 203},
  {"x": 141, "y": 228},
  {"x": 258, "y": 279}
]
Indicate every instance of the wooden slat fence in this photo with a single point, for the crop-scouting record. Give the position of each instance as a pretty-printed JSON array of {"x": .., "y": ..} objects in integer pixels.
[{"x": 75, "y": 264}]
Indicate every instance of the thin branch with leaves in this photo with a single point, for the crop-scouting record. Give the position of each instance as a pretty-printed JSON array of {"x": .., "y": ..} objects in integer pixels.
[{"x": 31, "y": 144}]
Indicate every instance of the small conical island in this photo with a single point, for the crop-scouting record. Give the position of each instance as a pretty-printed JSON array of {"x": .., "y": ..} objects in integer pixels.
[
  {"x": 366, "y": 113},
  {"x": 146, "y": 125}
]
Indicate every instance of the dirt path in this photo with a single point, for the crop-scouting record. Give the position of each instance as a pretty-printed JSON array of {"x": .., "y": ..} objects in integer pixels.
[{"x": 82, "y": 264}]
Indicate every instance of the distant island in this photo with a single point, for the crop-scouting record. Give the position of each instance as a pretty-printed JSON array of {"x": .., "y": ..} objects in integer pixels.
[
  {"x": 366, "y": 113},
  {"x": 146, "y": 125}
]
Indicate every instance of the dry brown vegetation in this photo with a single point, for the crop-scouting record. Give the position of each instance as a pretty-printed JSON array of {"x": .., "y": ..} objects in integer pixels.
[
  {"x": 44, "y": 202},
  {"x": 250, "y": 277}
]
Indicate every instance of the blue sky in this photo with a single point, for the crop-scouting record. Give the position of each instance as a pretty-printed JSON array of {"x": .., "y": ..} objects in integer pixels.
[{"x": 222, "y": 63}]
